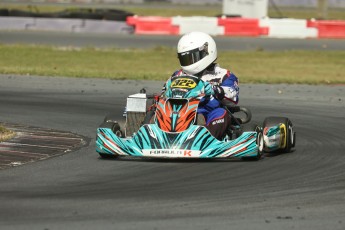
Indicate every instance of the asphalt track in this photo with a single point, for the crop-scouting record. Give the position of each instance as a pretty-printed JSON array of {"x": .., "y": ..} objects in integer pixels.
[
  {"x": 304, "y": 189},
  {"x": 149, "y": 41}
]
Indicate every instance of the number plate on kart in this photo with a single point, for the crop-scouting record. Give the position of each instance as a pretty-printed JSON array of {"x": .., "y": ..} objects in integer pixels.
[{"x": 186, "y": 83}]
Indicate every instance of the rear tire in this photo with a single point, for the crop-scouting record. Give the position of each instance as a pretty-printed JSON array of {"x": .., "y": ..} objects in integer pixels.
[
  {"x": 290, "y": 134},
  {"x": 248, "y": 117},
  {"x": 114, "y": 126},
  {"x": 113, "y": 123},
  {"x": 149, "y": 118}
]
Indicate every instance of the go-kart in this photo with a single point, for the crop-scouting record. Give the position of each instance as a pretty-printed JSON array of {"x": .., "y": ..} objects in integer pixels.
[{"x": 170, "y": 127}]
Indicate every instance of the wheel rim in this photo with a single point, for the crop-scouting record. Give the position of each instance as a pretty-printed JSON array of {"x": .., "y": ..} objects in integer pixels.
[
  {"x": 292, "y": 140},
  {"x": 260, "y": 142},
  {"x": 118, "y": 133}
]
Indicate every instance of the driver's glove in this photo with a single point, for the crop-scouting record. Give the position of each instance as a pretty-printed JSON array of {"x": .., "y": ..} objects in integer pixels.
[{"x": 218, "y": 92}]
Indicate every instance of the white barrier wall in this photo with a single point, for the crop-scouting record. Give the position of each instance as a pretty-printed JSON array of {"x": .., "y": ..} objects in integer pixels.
[
  {"x": 103, "y": 26},
  {"x": 15, "y": 23},
  {"x": 288, "y": 28},
  {"x": 204, "y": 24},
  {"x": 64, "y": 25},
  {"x": 56, "y": 24}
]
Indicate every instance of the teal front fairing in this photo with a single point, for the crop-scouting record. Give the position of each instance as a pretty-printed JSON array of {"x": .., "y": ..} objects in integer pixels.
[{"x": 196, "y": 142}]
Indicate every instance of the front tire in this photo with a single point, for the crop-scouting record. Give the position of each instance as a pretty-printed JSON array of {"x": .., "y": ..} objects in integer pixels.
[
  {"x": 259, "y": 141},
  {"x": 290, "y": 137}
]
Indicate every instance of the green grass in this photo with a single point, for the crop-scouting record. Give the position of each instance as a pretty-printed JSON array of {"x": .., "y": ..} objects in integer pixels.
[
  {"x": 155, "y": 9},
  {"x": 2, "y": 129},
  {"x": 211, "y": 11},
  {"x": 306, "y": 13},
  {"x": 309, "y": 67}
]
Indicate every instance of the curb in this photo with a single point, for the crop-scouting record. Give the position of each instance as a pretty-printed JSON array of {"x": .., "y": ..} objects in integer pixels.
[{"x": 33, "y": 144}]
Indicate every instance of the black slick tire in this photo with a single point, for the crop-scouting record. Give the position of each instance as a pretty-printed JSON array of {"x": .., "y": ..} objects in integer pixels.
[{"x": 290, "y": 134}]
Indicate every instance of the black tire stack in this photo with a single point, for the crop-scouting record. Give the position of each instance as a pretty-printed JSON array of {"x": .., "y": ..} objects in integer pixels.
[{"x": 81, "y": 13}]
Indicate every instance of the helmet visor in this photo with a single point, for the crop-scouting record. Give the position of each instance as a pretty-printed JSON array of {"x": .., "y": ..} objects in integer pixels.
[{"x": 192, "y": 56}]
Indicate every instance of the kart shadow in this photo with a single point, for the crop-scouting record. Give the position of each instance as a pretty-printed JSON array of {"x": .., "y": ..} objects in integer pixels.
[
  {"x": 173, "y": 160},
  {"x": 194, "y": 160},
  {"x": 279, "y": 153}
]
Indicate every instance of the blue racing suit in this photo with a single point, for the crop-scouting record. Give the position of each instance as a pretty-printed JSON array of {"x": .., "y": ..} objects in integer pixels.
[{"x": 216, "y": 117}]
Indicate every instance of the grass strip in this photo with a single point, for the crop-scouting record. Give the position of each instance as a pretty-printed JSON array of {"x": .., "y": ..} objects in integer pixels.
[
  {"x": 170, "y": 10},
  {"x": 5, "y": 134},
  {"x": 295, "y": 66}
]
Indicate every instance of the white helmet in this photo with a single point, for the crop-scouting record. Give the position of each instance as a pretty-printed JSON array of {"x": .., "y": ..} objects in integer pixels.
[{"x": 196, "y": 51}]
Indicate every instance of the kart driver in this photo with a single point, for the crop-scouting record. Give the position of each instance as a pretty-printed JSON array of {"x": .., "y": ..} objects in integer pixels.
[{"x": 197, "y": 53}]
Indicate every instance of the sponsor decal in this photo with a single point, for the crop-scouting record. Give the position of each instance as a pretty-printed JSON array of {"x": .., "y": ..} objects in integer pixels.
[
  {"x": 171, "y": 153},
  {"x": 218, "y": 121},
  {"x": 272, "y": 137},
  {"x": 272, "y": 142},
  {"x": 275, "y": 136},
  {"x": 187, "y": 153},
  {"x": 180, "y": 90}
]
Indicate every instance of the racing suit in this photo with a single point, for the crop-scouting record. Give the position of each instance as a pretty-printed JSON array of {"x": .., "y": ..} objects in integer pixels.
[{"x": 225, "y": 86}]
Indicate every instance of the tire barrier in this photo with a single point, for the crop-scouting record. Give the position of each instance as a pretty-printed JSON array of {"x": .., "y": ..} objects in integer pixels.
[
  {"x": 4, "y": 12},
  {"x": 328, "y": 28},
  {"x": 83, "y": 13},
  {"x": 21, "y": 13}
]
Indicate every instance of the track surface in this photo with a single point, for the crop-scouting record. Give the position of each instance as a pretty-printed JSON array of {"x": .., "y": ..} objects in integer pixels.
[
  {"x": 304, "y": 189},
  {"x": 147, "y": 41}
]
